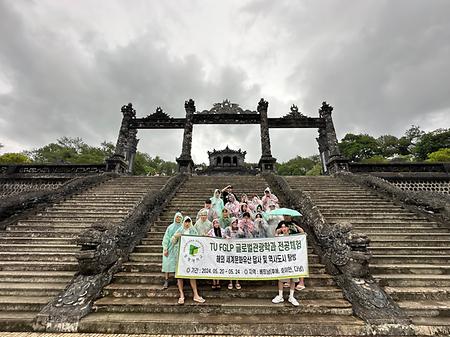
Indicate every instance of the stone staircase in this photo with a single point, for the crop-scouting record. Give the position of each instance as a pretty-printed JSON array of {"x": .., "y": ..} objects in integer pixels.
[
  {"x": 136, "y": 303},
  {"x": 37, "y": 255},
  {"x": 411, "y": 255}
]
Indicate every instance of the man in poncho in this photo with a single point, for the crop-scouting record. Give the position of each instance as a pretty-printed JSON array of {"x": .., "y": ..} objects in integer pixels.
[
  {"x": 169, "y": 253},
  {"x": 203, "y": 225}
]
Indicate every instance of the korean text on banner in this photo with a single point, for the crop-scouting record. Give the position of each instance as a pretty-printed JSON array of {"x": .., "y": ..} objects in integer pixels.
[{"x": 243, "y": 259}]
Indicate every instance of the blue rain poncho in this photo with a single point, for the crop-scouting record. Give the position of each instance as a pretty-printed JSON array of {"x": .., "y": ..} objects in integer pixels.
[{"x": 169, "y": 262}]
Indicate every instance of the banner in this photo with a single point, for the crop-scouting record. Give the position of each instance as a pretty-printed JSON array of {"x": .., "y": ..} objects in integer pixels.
[{"x": 242, "y": 259}]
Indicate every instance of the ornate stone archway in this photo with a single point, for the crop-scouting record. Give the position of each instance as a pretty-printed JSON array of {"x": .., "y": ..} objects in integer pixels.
[{"x": 226, "y": 113}]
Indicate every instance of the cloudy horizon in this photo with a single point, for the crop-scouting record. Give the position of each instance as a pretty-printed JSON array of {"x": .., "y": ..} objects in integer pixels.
[{"x": 67, "y": 67}]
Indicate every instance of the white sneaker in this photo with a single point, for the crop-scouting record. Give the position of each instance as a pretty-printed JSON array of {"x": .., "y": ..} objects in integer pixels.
[
  {"x": 278, "y": 299},
  {"x": 293, "y": 301}
]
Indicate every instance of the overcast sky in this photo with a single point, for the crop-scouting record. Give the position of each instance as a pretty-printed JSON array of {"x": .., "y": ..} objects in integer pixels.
[{"x": 67, "y": 67}]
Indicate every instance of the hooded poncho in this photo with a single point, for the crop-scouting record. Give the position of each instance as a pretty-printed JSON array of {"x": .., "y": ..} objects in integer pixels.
[
  {"x": 217, "y": 202},
  {"x": 268, "y": 198},
  {"x": 169, "y": 262},
  {"x": 203, "y": 227}
]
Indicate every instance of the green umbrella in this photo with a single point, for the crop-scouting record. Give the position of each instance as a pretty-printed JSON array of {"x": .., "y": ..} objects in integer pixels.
[{"x": 284, "y": 211}]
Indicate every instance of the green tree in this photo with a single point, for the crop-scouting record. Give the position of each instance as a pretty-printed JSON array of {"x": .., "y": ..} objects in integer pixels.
[
  {"x": 297, "y": 166},
  {"x": 439, "y": 156},
  {"x": 431, "y": 142},
  {"x": 375, "y": 160},
  {"x": 407, "y": 143},
  {"x": 14, "y": 158},
  {"x": 359, "y": 147},
  {"x": 389, "y": 145},
  {"x": 315, "y": 171}
]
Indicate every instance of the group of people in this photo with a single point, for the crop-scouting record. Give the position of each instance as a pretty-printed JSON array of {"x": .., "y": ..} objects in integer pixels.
[{"x": 224, "y": 216}]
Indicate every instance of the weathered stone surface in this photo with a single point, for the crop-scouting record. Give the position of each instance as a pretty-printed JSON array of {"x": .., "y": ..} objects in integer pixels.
[
  {"x": 427, "y": 203},
  {"x": 15, "y": 207}
]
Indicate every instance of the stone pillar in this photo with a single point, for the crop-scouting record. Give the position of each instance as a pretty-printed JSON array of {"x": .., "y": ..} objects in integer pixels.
[
  {"x": 323, "y": 149},
  {"x": 266, "y": 163},
  {"x": 131, "y": 149},
  {"x": 185, "y": 163},
  {"x": 335, "y": 161},
  {"x": 117, "y": 163}
]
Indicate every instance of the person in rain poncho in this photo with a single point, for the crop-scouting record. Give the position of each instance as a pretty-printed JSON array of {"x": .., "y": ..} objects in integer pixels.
[
  {"x": 225, "y": 218},
  {"x": 246, "y": 225},
  {"x": 272, "y": 220},
  {"x": 216, "y": 232},
  {"x": 210, "y": 211},
  {"x": 261, "y": 226},
  {"x": 217, "y": 202},
  {"x": 186, "y": 229},
  {"x": 203, "y": 225},
  {"x": 269, "y": 198},
  {"x": 232, "y": 205},
  {"x": 169, "y": 254},
  {"x": 234, "y": 232}
]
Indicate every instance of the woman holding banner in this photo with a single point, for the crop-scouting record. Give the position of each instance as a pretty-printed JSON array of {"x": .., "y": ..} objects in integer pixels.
[
  {"x": 186, "y": 229},
  {"x": 169, "y": 256}
]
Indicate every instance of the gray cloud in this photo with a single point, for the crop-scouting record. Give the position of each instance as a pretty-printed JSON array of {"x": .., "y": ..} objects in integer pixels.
[{"x": 67, "y": 71}]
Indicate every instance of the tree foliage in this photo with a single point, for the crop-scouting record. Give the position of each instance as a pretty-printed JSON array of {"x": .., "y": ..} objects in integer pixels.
[
  {"x": 359, "y": 147},
  {"x": 439, "y": 156},
  {"x": 14, "y": 158},
  {"x": 297, "y": 166},
  {"x": 431, "y": 142}
]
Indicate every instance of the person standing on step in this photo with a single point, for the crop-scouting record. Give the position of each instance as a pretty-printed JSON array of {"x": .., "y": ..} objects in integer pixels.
[
  {"x": 234, "y": 232},
  {"x": 269, "y": 198},
  {"x": 246, "y": 225},
  {"x": 232, "y": 205},
  {"x": 210, "y": 211},
  {"x": 284, "y": 231},
  {"x": 294, "y": 228},
  {"x": 216, "y": 232},
  {"x": 261, "y": 226},
  {"x": 226, "y": 191},
  {"x": 186, "y": 229},
  {"x": 169, "y": 257},
  {"x": 217, "y": 202},
  {"x": 203, "y": 225}
]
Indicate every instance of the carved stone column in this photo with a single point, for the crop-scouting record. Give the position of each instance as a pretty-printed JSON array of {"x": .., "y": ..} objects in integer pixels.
[
  {"x": 116, "y": 162},
  {"x": 185, "y": 163},
  {"x": 266, "y": 163},
  {"x": 335, "y": 161},
  {"x": 131, "y": 149},
  {"x": 323, "y": 149}
]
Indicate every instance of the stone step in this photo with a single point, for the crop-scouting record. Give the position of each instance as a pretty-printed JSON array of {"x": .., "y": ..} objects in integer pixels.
[
  {"x": 379, "y": 222},
  {"x": 31, "y": 289},
  {"x": 37, "y": 256},
  {"x": 410, "y": 250},
  {"x": 265, "y": 291},
  {"x": 35, "y": 276},
  {"x": 90, "y": 209},
  {"x": 369, "y": 215},
  {"x": 376, "y": 229},
  {"x": 22, "y": 303},
  {"x": 230, "y": 306},
  {"x": 427, "y": 308},
  {"x": 210, "y": 324},
  {"x": 82, "y": 202},
  {"x": 411, "y": 243},
  {"x": 63, "y": 221},
  {"x": 156, "y": 278},
  {"x": 85, "y": 214},
  {"x": 31, "y": 241},
  {"x": 416, "y": 269},
  {"x": 408, "y": 259},
  {"x": 431, "y": 326},
  {"x": 50, "y": 229},
  {"x": 38, "y": 248},
  {"x": 409, "y": 280},
  {"x": 17, "y": 320},
  {"x": 39, "y": 265},
  {"x": 418, "y": 293},
  {"x": 412, "y": 236},
  {"x": 39, "y": 234},
  {"x": 145, "y": 267},
  {"x": 351, "y": 207}
]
